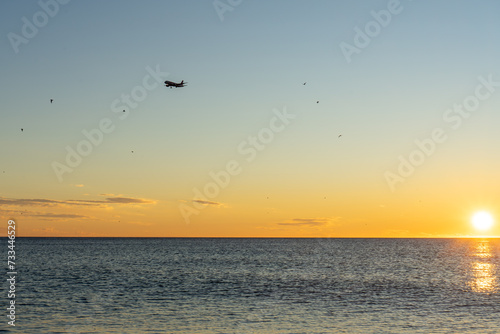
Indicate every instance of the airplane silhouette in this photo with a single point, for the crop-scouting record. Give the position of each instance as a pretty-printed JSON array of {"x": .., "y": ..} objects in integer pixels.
[{"x": 174, "y": 84}]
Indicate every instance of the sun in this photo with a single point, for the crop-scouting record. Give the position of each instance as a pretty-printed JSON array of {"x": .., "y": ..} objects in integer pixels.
[{"x": 482, "y": 220}]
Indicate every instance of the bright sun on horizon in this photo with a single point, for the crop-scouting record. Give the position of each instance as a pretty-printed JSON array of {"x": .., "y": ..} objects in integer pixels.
[{"x": 482, "y": 220}]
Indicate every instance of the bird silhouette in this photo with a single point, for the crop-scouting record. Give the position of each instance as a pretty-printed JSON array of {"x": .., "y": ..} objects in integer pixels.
[
  {"x": 339, "y": 136},
  {"x": 51, "y": 100},
  {"x": 304, "y": 83},
  {"x": 317, "y": 101},
  {"x": 22, "y": 129}
]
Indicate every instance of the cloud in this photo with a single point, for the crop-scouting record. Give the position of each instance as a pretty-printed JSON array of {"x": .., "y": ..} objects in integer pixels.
[
  {"x": 127, "y": 200},
  {"x": 36, "y": 202},
  {"x": 309, "y": 221},
  {"x": 58, "y": 216},
  {"x": 51, "y": 202},
  {"x": 42, "y": 215},
  {"x": 79, "y": 185},
  {"x": 200, "y": 201}
]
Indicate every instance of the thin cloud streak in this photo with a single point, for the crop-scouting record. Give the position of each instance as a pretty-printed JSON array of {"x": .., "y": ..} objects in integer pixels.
[
  {"x": 309, "y": 221},
  {"x": 51, "y": 202},
  {"x": 200, "y": 201}
]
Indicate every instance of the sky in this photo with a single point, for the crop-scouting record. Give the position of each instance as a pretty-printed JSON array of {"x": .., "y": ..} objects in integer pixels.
[{"x": 298, "y": 119}]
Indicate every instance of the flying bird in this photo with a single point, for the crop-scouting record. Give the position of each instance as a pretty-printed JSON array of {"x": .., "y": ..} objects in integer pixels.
[
  {"x": 339, "y": 136},
  {"x": 51, "y": 100},
  {"x": 304, "y": 83},
  {"x": 22, "y": 129},
  {"x": 317, "y": 101}
]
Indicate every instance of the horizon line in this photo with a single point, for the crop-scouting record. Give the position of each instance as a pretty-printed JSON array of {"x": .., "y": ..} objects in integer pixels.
[{"x": 247, "y": 237}]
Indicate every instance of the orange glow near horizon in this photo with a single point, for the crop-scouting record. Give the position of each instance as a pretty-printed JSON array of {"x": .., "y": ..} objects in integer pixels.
[
  {"x": 121, "y": 216},
  {"x": 246, "y": 208}
]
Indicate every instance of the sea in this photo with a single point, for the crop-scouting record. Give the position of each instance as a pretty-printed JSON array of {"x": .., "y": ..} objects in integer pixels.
[{"x": 249, "y": 285}]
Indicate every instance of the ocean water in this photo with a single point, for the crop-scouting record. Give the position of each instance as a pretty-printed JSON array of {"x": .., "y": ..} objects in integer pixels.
[{"x": 135, "y": 285}]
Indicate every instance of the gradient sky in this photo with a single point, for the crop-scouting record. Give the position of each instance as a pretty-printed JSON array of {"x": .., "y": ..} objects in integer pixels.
[{"x": 243, "y": 70}]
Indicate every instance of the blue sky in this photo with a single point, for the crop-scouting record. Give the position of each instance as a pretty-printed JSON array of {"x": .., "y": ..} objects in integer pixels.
[{"x": 238, "y": 70}]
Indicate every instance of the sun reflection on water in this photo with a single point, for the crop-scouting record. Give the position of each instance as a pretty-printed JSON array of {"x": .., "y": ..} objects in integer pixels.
[{"x": 484, "y": 278}]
